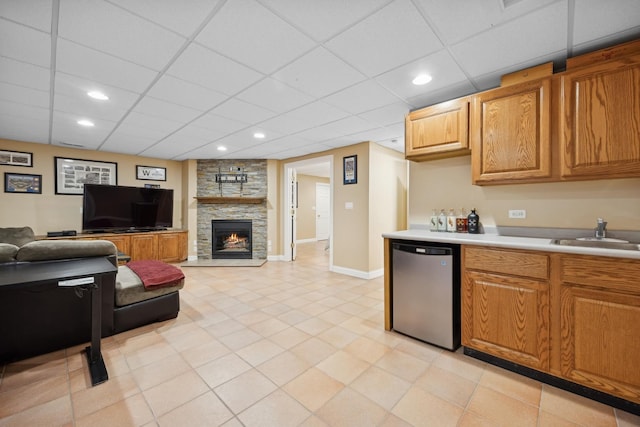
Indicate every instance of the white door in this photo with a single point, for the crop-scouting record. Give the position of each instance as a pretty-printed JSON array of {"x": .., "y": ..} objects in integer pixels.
[
  {"x": 293, "y": 205},
  {"x": 322, "y": 211}
]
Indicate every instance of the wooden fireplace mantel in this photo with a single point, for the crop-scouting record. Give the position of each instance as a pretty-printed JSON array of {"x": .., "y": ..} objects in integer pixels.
[{"x": 238, "y": 200}]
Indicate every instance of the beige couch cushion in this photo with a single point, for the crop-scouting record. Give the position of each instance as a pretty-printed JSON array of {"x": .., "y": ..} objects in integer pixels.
[
  {"x": 42, "y": 250},
  {"x": 129, "y": 288},
  {"x": 17, "y": 235},
  {"x": 8, "y": 252}
]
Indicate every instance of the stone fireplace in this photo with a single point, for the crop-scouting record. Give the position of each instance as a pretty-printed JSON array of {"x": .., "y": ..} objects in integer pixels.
[
  {"x": 232, "y": 201},
  {"x": 231, "y": 239}
]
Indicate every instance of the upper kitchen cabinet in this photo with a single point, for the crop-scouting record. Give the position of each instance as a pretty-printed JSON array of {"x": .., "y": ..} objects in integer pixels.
[
  {"x": 600, "y": 110},
  {"x": 511, "y": 134},
  {"x": 438, "y": 131}
]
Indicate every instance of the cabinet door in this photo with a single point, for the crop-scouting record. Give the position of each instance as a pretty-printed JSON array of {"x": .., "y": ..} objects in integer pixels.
[
  {"x": 600, "y": 344},
  {"x": 121, "y": 242},
  {"x": 601, "y": 120},
  {"x": 144, "y": 247},
  {"x": 172, "y": 247},
  {"x": 438, "y": 131},
  {"x": 507, "y": 317},
  {"x": 511, "y": 134}
]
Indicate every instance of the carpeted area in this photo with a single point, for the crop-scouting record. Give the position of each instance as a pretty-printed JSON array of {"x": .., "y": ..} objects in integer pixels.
[{"x": 224, "y": 263}]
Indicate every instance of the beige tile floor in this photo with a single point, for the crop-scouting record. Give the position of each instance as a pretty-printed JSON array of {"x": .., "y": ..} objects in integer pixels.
[{"x": 285, "y": 344}]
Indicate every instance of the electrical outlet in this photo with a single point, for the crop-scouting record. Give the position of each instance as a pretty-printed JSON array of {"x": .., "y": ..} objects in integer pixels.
[{"x": 517, "y": 213}]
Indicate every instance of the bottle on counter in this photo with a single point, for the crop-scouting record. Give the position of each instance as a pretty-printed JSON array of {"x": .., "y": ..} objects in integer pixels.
[
  {"x": 473, "y": 222},
  {"x": 442, "y": 221},
  {"x": 462, "y": 221},
  {"x": 433, "y": 221},
  {"x": 451, "y": 221}
]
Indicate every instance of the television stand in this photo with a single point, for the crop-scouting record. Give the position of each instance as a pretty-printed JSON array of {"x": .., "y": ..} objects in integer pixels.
[{"x": 162, "y": 245}]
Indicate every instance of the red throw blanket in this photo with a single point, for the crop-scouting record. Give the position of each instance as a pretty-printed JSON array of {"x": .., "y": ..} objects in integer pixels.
[{"x": 154, "y": 274}]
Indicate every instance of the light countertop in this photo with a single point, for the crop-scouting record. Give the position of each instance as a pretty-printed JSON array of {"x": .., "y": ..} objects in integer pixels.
[{"x": 529, "y": 243}]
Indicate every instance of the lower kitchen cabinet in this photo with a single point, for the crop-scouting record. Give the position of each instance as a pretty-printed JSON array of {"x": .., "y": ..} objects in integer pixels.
[
  {"x": 572, "y": 317},
  {"x": 599, "y": 323},
  {"x": 505, "y": 313}
]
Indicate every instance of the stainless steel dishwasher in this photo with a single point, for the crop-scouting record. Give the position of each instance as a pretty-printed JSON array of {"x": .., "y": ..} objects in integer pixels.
[{"x": 426, "y": 292}]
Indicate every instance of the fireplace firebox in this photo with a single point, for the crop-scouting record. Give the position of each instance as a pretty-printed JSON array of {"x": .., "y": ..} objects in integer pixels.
[{"x": 231, "y": 238}]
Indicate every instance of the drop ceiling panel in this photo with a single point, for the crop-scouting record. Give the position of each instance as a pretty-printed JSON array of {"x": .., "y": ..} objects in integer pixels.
[
  {"x": 458, "y": 20},
  {"x": 24, "y": 129},
  {"x": 319, "y": 73},
  {"x": 200, "y": 65},
  {"x": 77, "y": 88},
  {"x": 117, "y": 32},
  {"x": 274, "y": 95},
  {"x": 23, "y": 111},
  {"x": 316, "y": 113},
  {"x": 596, "y": 19},
  {"x": 65, "y": 129},
  {"x": 387, "y": 115},
  {"x": 440, "y": 66},
  {"x": 183, "y": 18},
  {"x": 335, "y": 129},
  {"x": 23, "y": 74},
  {"x": 220, "y": 124},
  {"x": 326, "y": 21},
  {"x": 35, "y": 13},
  {"x": 145, "y": 126},
  {"x": 394, "y": 35},
  {"x": 88, "y": 109},
  {"x": 242, "y": 111},
  {"x": 96, "y": 66},
  {"x": 165, "y": 110},
  {"x": 511, "y": 44},
  {"x": 184, "y": 93},
  {"x": 247, "y": 32},
  {"x": 24, "y": 44},
  {"x": 120, "y": 142},
  {"x": 24, "y": 95},
  {"x": 362, "y": 97},
  {"x": 452, "y": 92}
]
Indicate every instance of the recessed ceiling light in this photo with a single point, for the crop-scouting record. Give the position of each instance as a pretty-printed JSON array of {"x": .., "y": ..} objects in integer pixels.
[
  {"x": 422, "y": 79},
  {"x": 222, "y": 148},
  {"x": 87, "y": 123},
  {"x": 258, "y": 135},
  {"x": 98, "y": 95}
]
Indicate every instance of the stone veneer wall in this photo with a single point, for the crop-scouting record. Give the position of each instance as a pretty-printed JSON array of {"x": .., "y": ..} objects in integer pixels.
[{"x": 256, "y": 186}]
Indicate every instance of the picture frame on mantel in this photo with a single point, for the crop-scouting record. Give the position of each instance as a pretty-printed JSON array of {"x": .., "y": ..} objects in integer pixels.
[
  {"x": 151, "y": 173},
  {"x": 350, "y": 170},
  {"x": 73, "y": 174}
]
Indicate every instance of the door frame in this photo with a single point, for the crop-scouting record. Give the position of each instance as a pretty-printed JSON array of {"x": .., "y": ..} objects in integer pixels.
[{"x": 287, "y": 232}]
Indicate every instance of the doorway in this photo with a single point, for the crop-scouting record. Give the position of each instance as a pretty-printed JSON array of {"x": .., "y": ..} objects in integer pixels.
[{"x": 319, "y": 166}]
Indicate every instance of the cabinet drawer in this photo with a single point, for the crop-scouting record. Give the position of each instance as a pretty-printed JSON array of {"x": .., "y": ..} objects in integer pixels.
[
  {"x": 617, "y": 274},
  {"x": 518, "y": 263}
]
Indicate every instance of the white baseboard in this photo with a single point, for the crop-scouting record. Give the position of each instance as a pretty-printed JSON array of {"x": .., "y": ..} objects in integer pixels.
[
  {"x": 192, "y": 258},
  {"x": 367, "y": 275},
  {"x": 306, "y": 241},
  {"x": 276, "y": 258}
]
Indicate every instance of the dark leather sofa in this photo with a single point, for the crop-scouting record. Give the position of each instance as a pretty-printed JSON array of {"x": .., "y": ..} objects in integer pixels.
[{"x": 41, "y": 318}]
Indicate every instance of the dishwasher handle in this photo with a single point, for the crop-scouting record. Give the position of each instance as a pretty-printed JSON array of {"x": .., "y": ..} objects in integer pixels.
[{"x": 421, "y": 250}]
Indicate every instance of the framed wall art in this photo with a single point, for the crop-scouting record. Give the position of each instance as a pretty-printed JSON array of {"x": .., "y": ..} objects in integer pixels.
[
  {"x": 16, "y": 158},
  {"x": 22, "y": 183},
  {"x": 151, "y": 173},
  {"x": 350, "y": 170},
  {"x": 73, "y": 174}
]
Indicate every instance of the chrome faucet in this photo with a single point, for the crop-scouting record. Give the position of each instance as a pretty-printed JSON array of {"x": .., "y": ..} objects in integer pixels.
[{"x": 601, "y": 229}]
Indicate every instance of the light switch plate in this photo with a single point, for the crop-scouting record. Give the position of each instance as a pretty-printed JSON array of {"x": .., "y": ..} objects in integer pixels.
[{"x": 517, "y": 213}]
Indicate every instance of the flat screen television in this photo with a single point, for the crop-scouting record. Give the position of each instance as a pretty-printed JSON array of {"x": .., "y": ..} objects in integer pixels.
[{"x": 117, "y": 208}]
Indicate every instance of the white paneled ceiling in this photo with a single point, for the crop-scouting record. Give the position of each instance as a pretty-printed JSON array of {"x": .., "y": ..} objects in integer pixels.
[{"x": 186, "y": 78}]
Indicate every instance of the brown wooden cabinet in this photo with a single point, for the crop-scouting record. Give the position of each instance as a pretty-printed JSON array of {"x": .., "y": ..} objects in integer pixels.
[
  {"x": 600, "y": 111},
  {"x": 167, "y": 246},
  {"x": 505, "y": 304},
  {"x": 172, "y": 247},
  {"x": 438, "y": 131},
  {"x": 511, "y": 134},
  {"x": 598, "y": 322}
]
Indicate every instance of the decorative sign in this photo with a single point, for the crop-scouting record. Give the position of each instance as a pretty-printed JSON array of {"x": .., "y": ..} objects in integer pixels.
[{"x": 151, "y": 173}]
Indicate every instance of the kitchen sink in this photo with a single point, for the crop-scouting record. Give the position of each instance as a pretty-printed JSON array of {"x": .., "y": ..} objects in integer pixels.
[{"x": 601, "y": 243}]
